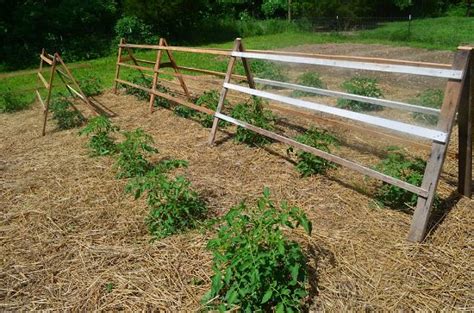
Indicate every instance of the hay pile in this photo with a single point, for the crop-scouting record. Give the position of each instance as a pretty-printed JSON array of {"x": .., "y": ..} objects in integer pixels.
[{"x": 71, "y": 239}]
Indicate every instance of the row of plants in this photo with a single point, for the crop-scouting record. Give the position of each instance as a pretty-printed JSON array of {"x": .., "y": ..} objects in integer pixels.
[{"x": 255, "y": 265}]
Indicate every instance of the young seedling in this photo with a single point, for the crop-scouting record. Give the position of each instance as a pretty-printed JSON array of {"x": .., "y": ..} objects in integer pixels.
[
  {"x": 309, "y": 164},
  {"x": 253, "y": 113},
  {"x": 99, "y": 129},
  {"x": 133, "y": 151},
  {"x": 431, "y": 98},
  {"x": 310, "y": 79},
  {"x": 362, "y": 86},
  {"x": 65, "y": 114},
  {"x": 256, "y": 267}
]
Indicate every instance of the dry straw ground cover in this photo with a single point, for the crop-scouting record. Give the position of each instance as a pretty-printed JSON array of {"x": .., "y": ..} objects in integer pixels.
[{"x": 71, "y": 239}]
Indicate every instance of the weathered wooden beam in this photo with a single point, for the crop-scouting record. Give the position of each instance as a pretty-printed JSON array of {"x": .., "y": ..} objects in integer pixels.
[
  {"x": 368, "y": 66},
  {"x": 330, "y": 157},
  {"x": 396, "y": 126}
]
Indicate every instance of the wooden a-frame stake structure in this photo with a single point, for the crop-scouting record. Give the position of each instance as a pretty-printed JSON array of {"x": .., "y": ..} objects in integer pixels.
[
  {"x": 59, "y": 68},
  {"x": 458, "y": 98},
  {"x": 458, "y": 102}
]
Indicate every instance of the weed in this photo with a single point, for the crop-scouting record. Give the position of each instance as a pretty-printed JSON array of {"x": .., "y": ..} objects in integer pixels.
[
  {"x": 12, "y": 102},
  {"x": 91, "y": 85},
  {"x": 397, "y": 165},
  {"x": 431, "y": 98},
  {"x": 255, "y": 114},
  {"x": 109, "y": 287},
  {"x": 310, "y": 79},
  {"x": 209, "y": 99},
  {"x": 309, "y": 164},
  {"x": 362, "y": 86},
  {"x": 100, "y": 142},
  {"x": 256, "y": 268},
  {"x": 132, "y": 161},
  {"x": 65, "y": 114}
]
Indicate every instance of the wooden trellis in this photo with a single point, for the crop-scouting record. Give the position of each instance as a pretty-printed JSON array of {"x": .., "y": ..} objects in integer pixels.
[
  {"x": 57, "y": 67},
  {"x": 458, "y": 101}
]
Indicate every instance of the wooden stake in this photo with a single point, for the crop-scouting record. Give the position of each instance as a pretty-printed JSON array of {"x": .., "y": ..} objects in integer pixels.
[
  {"x": 465, "y": 121},
  {"x": 438, "y": 151},
  {"x": 76, "y": 84},
  {"x": 175, "y": 67},
  {"x": 156, "y": 69},
  {"x": 228, "y": 76},
  {"x": 117, "y": 69},
  {"x": 48, "y": 97}
]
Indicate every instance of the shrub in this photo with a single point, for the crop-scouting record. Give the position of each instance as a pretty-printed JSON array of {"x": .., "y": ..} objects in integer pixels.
[
  {"x": 100, "y": 142},
  {"x": 256, "y": 268},
  {"x": 132, "y": 161},
  {"x": 309, "y": 164},
  {"x": 174, "y": 207},
  {"x": 134, "y": 30},
  {"x": 65, "y": 114},
  {"x": 255, "y": 114},
  {"x": 268, "y": 70},
  {"x": 11, "y": 102},
  {"x": 432, "y": 98},
  {"x": 209, "y": 99},
  {"x": 407, "y": 169},
  {"x": 311, "y": 79},
  {"x": 91, "y": 86},
  {"x": 363, "y": 86}
]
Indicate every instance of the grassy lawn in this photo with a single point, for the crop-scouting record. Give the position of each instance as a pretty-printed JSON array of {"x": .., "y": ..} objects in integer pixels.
[{"x": 438, "y": 33}]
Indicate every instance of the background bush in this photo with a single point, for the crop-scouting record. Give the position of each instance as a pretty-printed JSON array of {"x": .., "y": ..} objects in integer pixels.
[{"x": 12, "y": 102}]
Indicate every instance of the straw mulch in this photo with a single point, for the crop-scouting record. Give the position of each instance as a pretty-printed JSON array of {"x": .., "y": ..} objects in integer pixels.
[{"x": 70, "y": 239}]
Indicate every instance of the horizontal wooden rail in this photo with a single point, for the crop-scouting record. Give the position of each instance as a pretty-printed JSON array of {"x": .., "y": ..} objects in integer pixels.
[
  {"x": 348, "y": 96},
  {"x": 144, "y": 61},
  {"x": 137, "y": 67},
  {"x": 45, "y": 83},
  {"x": 50, "y": 62},
  {"x": 228, "y": 52},
  {"x": 409, "y": 129},
  {"x": 168, "y": 97},
  {"x": 391, "y": 68},
  {"x": 357, "y": 58},
  {"x": 333, "y": 158},
  {"x": 181, "y": 49}
]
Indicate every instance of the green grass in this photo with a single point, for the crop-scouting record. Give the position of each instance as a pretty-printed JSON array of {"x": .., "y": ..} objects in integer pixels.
[{"x": 443, "y": 33}]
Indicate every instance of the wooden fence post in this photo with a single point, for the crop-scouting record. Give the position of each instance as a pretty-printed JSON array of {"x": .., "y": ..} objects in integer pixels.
[
  {"x": 224, "y": 90},
  {"x": 465, "y": 121},
  {"x": 438, "y": 151},
  {"x": 176, "y": 70},
  {"x": 48, "y": 97},
  {"x": 117, "y": 69},
  {"x": 156, "y": 68}
]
